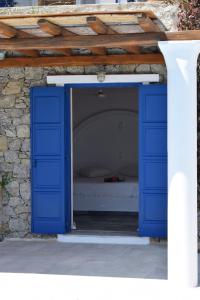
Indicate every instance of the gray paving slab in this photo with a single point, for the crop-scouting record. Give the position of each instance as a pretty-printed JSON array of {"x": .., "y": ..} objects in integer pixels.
[{"x": 52, "y": 257}]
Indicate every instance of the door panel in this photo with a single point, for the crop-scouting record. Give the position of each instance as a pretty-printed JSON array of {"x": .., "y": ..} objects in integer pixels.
[
  {"x": 50, "y": 200},
  {"x": 154, "y": 174},
  {"x": 154, "y": 142},
  {"x": 51, "y": 170},
  {"x": 54, "y": 105},
  {"x": 47, "y": 173},
  {"x": 155, "y": 207},
  {"x": 153, "y": 160},
  {"x": 154, "y": 110},
  {"x": 43, "y": 140}
]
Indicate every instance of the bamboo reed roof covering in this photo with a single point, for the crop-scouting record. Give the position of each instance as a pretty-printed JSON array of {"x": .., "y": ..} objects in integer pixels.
[{"x": 84, "y": 38}]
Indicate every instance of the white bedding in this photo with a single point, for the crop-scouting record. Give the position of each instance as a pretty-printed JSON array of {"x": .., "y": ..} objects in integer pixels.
[{"x": 93, "y": 194}]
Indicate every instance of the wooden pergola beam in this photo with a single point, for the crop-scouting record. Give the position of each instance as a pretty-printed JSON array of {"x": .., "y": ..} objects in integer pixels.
[
  {"x": 56, "y": 30},
  {"x": 101, "y": 28},
  {"x": 29, "y": 53},
  {"x": 98, "y": 26},
  {"x": 53, "y": 29},
  {"x": 11, "y": 32},
  {"x": 125, "y": 59},
  {"x": 98, "y": 50},
  {"x": 148, "y": 25},
  {"x": 7, "y": 31},
  {"x": 87, "y": 41}
]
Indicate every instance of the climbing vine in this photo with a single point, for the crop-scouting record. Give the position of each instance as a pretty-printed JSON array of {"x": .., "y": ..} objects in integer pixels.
[{"x": 5, "y": 179}]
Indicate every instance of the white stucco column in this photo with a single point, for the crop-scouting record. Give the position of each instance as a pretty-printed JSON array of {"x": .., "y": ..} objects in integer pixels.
[{"x": 181, "y": 60}]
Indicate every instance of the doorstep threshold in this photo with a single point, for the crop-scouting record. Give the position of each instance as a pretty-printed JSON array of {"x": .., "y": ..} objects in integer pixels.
[{"x": 102, "y": 239}]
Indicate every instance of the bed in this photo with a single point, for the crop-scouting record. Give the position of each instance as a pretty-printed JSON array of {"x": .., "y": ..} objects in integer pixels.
[
  {"x": 93, "y": 194},
  {"x": 106, "y": 139}
]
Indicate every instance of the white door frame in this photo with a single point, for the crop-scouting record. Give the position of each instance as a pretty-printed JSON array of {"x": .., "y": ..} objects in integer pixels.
[{"x": 61, "y": 80}]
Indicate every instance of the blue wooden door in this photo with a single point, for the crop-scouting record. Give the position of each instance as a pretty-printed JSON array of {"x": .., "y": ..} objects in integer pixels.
[
  {"x": 50, "y": 154},
  {"x": 153, "y": 160}
]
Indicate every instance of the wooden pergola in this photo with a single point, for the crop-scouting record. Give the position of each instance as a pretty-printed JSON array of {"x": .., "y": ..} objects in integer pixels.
[{"x": 81, "y": 39}]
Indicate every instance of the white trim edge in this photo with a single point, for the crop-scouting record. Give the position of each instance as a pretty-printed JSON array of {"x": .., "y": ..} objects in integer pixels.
[
  {"x": 60, "y": 80},
  {"x": 103, "y": 239}
]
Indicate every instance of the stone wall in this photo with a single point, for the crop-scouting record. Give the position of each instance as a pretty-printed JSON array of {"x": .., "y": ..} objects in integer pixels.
[{"x": 15, "y": 135}]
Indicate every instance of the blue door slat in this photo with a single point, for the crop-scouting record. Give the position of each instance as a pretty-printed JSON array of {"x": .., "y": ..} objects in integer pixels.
[
  {"x": 51, "y": 170},
  {"x": 153, "y": 160}
]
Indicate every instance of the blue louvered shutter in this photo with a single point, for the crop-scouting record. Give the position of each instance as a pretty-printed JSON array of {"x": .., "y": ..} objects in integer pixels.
[
  {"x": 50, "y": 155},
  {"x": 153, "y": 160}
]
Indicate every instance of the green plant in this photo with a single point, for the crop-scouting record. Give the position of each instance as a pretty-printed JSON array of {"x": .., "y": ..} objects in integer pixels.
[{"x": 5, "y": 179}]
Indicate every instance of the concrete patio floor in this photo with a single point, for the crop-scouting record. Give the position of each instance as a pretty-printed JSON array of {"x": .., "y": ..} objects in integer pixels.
[
  {"x": 51, "y": 257},
  {"x": 52, "y": 270}
]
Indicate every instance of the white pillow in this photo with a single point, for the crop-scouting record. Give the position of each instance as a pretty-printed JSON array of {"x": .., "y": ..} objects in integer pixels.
[
  {"x": 93, "y": 172},
  {"x": 129, "y": 171}
]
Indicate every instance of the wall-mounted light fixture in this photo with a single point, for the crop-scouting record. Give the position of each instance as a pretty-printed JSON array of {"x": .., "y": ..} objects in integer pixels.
[
  {"x": 101, "y": 76},
  {"x": 101, "y": 94}
]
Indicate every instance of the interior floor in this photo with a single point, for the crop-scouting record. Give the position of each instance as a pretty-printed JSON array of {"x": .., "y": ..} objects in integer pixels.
[{"x": 123, "y": 223}]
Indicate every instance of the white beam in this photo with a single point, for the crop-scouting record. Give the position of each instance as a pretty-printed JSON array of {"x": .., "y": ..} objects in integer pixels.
[
  {"x": 181, "y": 61},
  {"x": 60, "y": 80}
]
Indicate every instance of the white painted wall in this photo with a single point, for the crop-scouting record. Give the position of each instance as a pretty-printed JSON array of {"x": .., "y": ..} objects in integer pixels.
[{"x": 181, "y": 61}]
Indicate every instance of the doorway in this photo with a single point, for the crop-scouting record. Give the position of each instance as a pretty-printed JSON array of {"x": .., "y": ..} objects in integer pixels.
[
  {"x": 51, "y": 155},
  {"x": 105, "y": 160}
]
